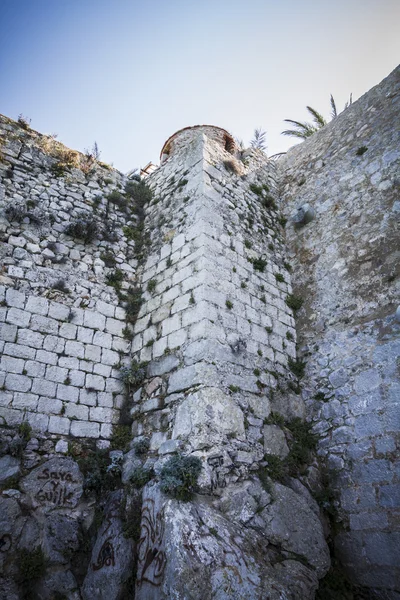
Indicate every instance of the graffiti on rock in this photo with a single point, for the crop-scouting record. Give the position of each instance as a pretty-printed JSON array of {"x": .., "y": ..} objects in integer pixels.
[{"x": 151, "y": 557}]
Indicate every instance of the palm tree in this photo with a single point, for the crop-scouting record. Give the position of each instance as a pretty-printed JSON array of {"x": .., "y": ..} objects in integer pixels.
[
  {"x": 305, "y": 129},
  {"x": 258, "y": 140}
]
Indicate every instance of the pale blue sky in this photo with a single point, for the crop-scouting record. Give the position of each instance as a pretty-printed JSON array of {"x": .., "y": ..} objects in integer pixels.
[{"x": 128, "y": 74}]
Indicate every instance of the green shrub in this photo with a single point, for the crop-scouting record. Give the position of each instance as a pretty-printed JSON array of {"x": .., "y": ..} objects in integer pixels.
[
  {"x": 294, "y": 302},
  {"x": 98, "y": 478},
  {"x": 288, "y": 267},
  {"x": 361, "y": 150},
  {"x": 83, "y": 228},
  {"x": 133, "y": 375},
  {"x": 259, "y": 264},
  {"x": 275, "y": 419},
  {"x": 151, "y": 286},
  {"x": 268, "y": 201},
  {"x": 121, "y": 437},
  {"x": 133, "y": 301},
  {"x": 179, "y": 475},
  {"x": 108, "y": 258},
  {"x": 140, "y": 476},
  {"x": 275, "y": 468},
  {"x": 279, "y": 277},
  {"x": 142, "y": 446},
  {"x": 282, "y": 221},
  {"x": 115, "y": 279},
  {"x": 25, "y": 430},
  {"x": 118, "y": 199},
  {"x": 297, "y": 367},
  {"x": 229, "y": 305}
]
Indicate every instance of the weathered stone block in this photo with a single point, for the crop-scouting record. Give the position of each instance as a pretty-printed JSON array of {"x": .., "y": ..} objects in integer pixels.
[
  {"x": 8, "y": 333},
  {"x": 49, "y": 406},
  {"x": 85, "y": 429},
  {"x": 94, "y": 320},
  {"x": 85, "y": 335},
  {"x": 15, "y": 299},
  {"x": 43, "y": 387},
  {"x": 95, "y": 381},
  {"x": 76, "y": 349},
  {"x": 34, "y": 368},
  {"x": 207, "y": 415},
  {"x": 105, "y": 309},
  {"x": 25, "y": 401},
  {"x": 18, "y": 383},
  {"x": 109, "y": 357},
  {"x": 53, "y": 343},
  {"x": 78, "y": 411},
  {"x": 68, "y": 331},
  {"x": 104, "y": 340},
  {"x": 19, "y": 317},
  {"x": 92, "y": 353},
  {"x": 59, "y": 425},
  {"x": 49, "y": 358},
  {"x": 38, "y": 305},
  {"x": 11, "y": 364},
  {"x": 30, "y": 338},
  {"x": 67, "y": 393},
  {"x": 44, "y": 324},
  {"x": 56, "y": 374}
]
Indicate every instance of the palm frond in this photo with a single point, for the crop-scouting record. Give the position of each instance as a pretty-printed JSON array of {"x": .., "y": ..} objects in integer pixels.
[
  {"x": 333, "y": 107},
  {"x": 294, "y": 133},
  {"x": 258, "y": 140},
  {"x": 318, "y": 118},
  {"x": 302, "y": 130}
]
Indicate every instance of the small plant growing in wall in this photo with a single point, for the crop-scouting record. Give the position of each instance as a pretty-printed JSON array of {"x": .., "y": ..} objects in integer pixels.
[
  {"x": 259, "y": 264},
  {"x": 83, "y": 228},
  {"x": 140, "y": 476},
  {"x": 151, "y": 286},
  {"x": 179, "y": 475},
  {"x": 115, "y": 197},
  {"x": 279, "y": 277},
  {"x": 142, "y": 446},
  {"x": 133, "y": 375},
  {"x": 361, "y": 150},
  {"x": 24, "y": 122},
  {"x": 294, "y": 302},
  {"x": 297, "y": 367},
  {"x": 115, "y": 279},
  {"x": 108, "y": 258},
  {"x": 229, "y": 305}
]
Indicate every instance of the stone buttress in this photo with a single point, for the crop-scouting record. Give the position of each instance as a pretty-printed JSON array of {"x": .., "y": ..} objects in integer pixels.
[{"x": 217, "y": 335}]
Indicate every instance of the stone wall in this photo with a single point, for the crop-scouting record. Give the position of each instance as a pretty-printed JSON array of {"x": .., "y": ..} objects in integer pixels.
[
  {"x": 61, "y": 326},
  {"x": 346, "y": 268}
]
